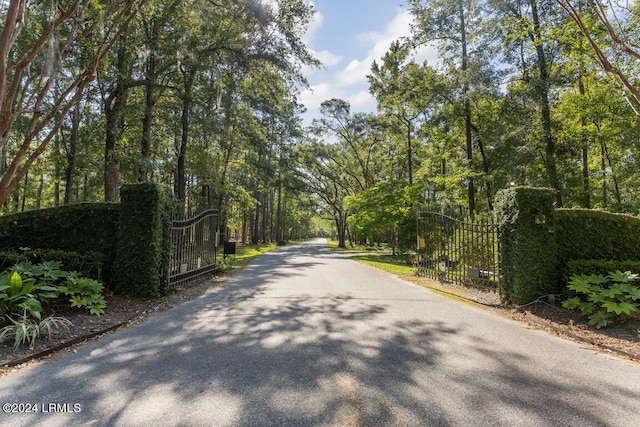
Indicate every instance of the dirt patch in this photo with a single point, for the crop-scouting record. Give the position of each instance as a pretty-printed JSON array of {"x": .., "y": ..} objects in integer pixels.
[{"x": 122, "y": 312}]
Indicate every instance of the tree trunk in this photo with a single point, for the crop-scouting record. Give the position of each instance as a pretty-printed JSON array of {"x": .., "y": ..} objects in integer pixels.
[
  {"x": 56, "y": 172},
  {"x": 24, "y": 193},
  {"x": 185, "y": 119},
  {"x": 603, "y": 169},
  {"x": 114, "y": 105},
  {"x": 244, "y": 227},
  {"x": 545, "y": 106},
  {"x": 340, "y": 227},
  {"x": 113, "y": 115},
  {"x": 279, "y": 239},
  {"x": 147, "y": 121},
  {"x": 265, "y": 214},
  {"x": 409, "y": 152},
  {"x": 85, "y": 187},
  {"x": 256, "y": 223},
  {"x": 39, "y": 193},
  {"x": 70, "y": 170},
  {"x": 467, "y": 111}
]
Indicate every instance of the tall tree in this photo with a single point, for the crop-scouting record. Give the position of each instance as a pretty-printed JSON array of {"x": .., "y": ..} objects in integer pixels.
[
  {"x": 393, "y": 83},
  {"x": 617, "y": 52},
  {"x": 49, "y": 54},
  {"x": 525, "y": 28},
  {"x": 448, "y": 23}
]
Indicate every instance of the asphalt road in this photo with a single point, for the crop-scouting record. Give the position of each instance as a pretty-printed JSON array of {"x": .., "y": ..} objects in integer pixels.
[{"x": 307, "y": 337}]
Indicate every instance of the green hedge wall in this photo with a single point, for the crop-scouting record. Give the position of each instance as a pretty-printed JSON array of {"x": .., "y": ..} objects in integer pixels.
[
  {"x": 83, "y": 228},
  {"x": 542, "y": 246},
  {"x": 527, "y": 226},
  {"x": 589, "y": 234},
  {"x": 143, "y": 240}
]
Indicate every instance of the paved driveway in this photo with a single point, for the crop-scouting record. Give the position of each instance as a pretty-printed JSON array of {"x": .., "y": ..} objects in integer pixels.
[{"x": 307, "y": 337}]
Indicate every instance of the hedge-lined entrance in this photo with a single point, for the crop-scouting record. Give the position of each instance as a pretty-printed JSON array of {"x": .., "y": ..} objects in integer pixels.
[{"x": 534, "y": 243}]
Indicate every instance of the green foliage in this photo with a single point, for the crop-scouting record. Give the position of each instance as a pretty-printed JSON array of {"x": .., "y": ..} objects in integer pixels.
[
  {"x": 378, "y": 211},
  {"x": 527, "y": 224},
  {"x": 50, "y": 282},
  {"x": 590, "y": 234},
  {"x": 85, "y": 228},
  {"x": 604, "y": 298},
  {"x": 20, "y": 296},
  {"x": 23, "y": 299},
  {"x": 29, "y": 330},
  {"x": 88, "y": 264},
  {"x": 598, "y": 267},
  {"x": 143, "y": 240},
  {"x": 84, "y": 293}
]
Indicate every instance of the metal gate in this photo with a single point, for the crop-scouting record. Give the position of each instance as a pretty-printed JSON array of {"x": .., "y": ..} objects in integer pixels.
[
  {"x": 194, "y": 246},
  {"x": 459, "y": 250}
]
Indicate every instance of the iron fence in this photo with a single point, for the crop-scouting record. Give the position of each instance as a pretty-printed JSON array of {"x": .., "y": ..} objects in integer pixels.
[
  {"x": 194, "y": 245},
  {"x": 459, "y": 250}
]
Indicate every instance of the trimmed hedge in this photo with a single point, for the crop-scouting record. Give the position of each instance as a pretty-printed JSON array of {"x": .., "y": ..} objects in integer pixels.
[
  {"x": 591, "y": 235},
  {"x": 538, "y": 243},
  {"x": 82, "y": 228},
  {"x": 143, "y": 240},
  {"x": 527, "y": 226}
]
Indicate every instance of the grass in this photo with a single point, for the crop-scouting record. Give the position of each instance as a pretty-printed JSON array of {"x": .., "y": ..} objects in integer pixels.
[
  {"x": 333, "y": 245},
  {"x": 245, "y": 254},
  {"x": 387, "y": 263},
  {"x": 395, "y": 265},
  {"x": 379, "y": 258}
]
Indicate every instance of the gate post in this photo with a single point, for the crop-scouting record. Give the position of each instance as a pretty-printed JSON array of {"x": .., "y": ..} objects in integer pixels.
[
  {"x": 142, "y": 258},
  {"x": 529, "y": 252}
]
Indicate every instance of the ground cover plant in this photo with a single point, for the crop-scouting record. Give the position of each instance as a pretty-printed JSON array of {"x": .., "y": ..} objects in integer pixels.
[
  {"x": 27, "y": 288},
  {"x": 604, "y": 299}
]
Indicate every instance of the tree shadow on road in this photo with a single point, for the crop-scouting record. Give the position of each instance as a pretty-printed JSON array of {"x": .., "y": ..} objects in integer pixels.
[{"x": 230, "y": 359}]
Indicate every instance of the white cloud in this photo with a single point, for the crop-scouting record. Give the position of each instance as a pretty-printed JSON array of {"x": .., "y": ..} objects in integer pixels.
[
  {"x": 327, "y": 58},
  {"x": 317, "y": 21},
  {"x": 363, "y": 102},
  {"x": 350, "y": 82}
]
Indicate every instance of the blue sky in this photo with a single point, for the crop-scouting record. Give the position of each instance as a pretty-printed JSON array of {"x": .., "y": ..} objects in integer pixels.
[{"x": 347, "y": 35}]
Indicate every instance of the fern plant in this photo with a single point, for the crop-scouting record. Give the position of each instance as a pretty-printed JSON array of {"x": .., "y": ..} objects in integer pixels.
[{"x": 604, "y": 299}]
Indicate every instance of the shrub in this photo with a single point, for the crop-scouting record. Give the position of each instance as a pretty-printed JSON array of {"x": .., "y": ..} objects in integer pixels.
[
  {"x": 144, "y": 237},
  {"x": 591, "y": 234},
  {"x": 46, "y": 281},
  {"x": 21, "y": 300},
  {"x": 88, "y": 264},
  {"x": 527, "y": 225},
  {"x": 19, "y": 297},
  {"x": 604, "y": 299},
  {"x": 83, "y": 293},
  {"x": 598, "y": 267},
  {"x": 81, "y": 228}
]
